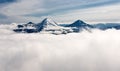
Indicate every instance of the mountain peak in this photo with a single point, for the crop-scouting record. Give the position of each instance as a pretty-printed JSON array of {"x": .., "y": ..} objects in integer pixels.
[
  {"x": 46, "y": 24},
  {"x": 30, "y": 23},
  {"x": 79, "y": 22},
  {"x": 48, "y": 21}
]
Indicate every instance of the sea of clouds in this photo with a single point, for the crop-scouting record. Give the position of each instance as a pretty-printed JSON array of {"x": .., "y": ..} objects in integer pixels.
[{"x": 85, "y": 51}]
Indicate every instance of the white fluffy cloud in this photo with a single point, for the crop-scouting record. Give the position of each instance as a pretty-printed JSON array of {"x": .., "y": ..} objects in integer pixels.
[{"x": 96, "y": 51}]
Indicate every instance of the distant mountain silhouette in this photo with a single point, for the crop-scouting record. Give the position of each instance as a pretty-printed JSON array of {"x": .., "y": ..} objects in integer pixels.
[
  {"x": 50, "y": 26},
  {"x": 107, "y": 26}
]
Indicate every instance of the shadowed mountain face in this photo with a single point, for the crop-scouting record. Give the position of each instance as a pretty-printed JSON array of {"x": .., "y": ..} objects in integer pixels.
[
  {"x": 77, "y": 23},
  {"x": 26, "y": 28},
  {"x": 30, "y": 23}
]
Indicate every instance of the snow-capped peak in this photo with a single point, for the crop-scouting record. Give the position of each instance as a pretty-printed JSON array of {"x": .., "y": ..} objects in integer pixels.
[
  {"x": 48, "y": 21},
  {"x": 46, "y": 24}
]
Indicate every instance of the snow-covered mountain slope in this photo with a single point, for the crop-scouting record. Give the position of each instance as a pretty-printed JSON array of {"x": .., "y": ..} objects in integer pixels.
[
  {"x": 50, "y": 26},
  {"x": 47, "y": 24}
]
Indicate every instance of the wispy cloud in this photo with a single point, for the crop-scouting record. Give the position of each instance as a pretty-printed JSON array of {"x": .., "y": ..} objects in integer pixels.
[{"x": 34, "y": 10}]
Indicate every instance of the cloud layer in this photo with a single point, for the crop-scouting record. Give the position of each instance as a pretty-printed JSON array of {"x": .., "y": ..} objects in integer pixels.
[
  {"x": 96, "y": 51},
  {"x": 35, "y": 10}
]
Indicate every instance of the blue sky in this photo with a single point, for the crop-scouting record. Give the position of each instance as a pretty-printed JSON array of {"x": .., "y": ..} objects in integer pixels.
[{"x": 62, "y": 11}]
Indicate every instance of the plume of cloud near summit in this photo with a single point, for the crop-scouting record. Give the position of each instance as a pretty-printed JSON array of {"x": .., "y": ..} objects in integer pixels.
[{"x": 34, "y": 10}]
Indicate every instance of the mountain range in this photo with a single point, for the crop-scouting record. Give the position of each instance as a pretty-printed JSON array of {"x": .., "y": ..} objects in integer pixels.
[{"x": 50, "y": 26}]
